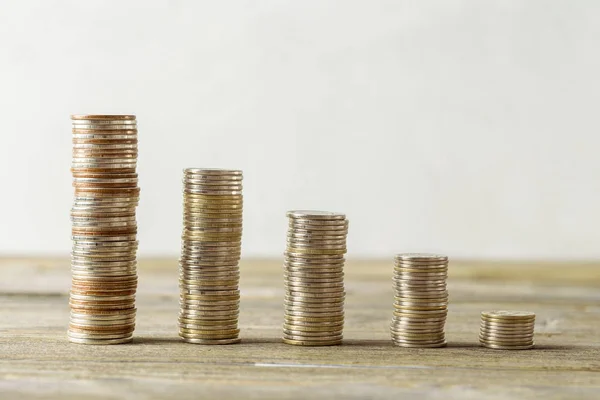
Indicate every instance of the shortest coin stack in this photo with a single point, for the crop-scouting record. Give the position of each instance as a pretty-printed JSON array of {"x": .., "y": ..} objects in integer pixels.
[{"x": 507, "y": 330}]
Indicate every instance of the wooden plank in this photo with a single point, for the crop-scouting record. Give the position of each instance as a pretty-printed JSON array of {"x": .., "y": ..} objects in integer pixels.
[{"x": 37, "y": 361}]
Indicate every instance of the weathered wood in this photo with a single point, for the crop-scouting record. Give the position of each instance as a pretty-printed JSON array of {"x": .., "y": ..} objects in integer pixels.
[{"x": 37, "y": 361}]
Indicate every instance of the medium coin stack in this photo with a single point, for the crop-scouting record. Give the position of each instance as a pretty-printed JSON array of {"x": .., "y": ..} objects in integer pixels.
[
  {"x": 314, "y": 278},
  {"x": 420, "y": 301},
  {"x": 103, "y": 260},
  {"x": 210, "y": 253},
  {"x": 507, "y": 330}
]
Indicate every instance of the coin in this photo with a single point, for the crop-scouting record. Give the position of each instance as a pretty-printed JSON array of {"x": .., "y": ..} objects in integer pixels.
[
  {"x": 103, "y": 251},
  {"x": 312, "y": 303},
  {"x": 504, "y": 347},
  {"x": 123, "y": 340},
  {"x": 315, "y": 215},
  {"x": 308, "y": 335},
  {"x": 415, "y": 307},
  {"x": 104, "y": 117},
  {"x": 336, "y": 264},
  {"x": 328, "y": 328},
  {"x": 312, "y": 259},
  {"x": 191, "y": 275},
  {"x": 396, "y": 326},
  {"x": 335, "y": 230},
  {"x": 95, "y": 287},
  {"x": 101, "y": 280},
  {"x": 516, "y": 339},
  {"x": 86, "y": 323},
  {"x": 202, "y": 337},
  {"x": 205, "y": 266},
  {"x": 316, "y": 236},
  {"x": 421, "y": 257},
  {"x": 299, "y": 241},
  {"x": 212, "y": 303},
  {"x": 308, "y": 273},
  {"x": 419, "y": 345},
  {"x": 100, "y": 331},
  {"x": 206, "y": 309},
  {"x": 308, "y": 278},
  {"x": 508, "y": 315},
  {"x": 313, "y": 338},
  {"x": 208, "y": 328},
  {"x": 301, "y": 285},
  {"x": 211, "y": 341},
  {"x": 306, "y": 318},
  {"x": 201, "y": 310},
  {"x": 307, "y": 342},
  {"x": 316, "y": 245},
  {"x": 211, "y": 332},
  {"x": 313, "y": 311},
  {"x": 208, "y": 323},
  {"x": 508, "y": 328},
  {"x": 193, "y": 201}
]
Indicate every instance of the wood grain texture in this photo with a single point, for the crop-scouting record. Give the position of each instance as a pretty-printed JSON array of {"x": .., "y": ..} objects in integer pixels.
[{"x": 36, "y": 361}]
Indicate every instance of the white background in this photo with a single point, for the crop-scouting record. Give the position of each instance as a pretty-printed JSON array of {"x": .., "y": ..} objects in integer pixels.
[{"x": 465, "y": 127}]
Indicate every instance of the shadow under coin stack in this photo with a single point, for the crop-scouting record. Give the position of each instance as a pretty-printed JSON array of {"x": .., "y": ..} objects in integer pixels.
[
  {"x": 103, "y": 262},
  {"x": 507, "y": 330},
  {"x": 314, "y": 278},
  {"x": 210, "y": 254},
  {"x": 421, "y": 300}
]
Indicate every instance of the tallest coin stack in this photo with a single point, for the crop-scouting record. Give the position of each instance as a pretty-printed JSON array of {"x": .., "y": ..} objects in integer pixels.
[{"x": 103, "y": 262}]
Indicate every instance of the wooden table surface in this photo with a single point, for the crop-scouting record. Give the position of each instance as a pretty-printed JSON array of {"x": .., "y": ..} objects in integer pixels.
[{"x": 36, "y": 361}]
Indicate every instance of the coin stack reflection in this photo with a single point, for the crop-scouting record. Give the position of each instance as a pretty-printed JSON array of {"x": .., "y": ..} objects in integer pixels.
[
  {"x": 103, "y": 262},
  {"x": 314, "y": 278},
  {"x": 507, "y": 330},
  {"x": 210, "y": 255},
  {"x": 421, "y": 300}
]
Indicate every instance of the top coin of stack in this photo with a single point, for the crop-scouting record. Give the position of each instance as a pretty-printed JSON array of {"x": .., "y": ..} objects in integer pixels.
[
  {"x": 103, "y": 263},
  {"x": 421, "y": 300},
  {"x": 507, "y": 330},
  {"x": 314, "y": 278},
  {"x": 210, "y": 254}
]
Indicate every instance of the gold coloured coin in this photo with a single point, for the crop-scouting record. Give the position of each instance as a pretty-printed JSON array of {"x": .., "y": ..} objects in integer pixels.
[
  {"x": 311, "y": 342},
  {"x": 212, "y": 341},
  {"x": 503, "y": 347},
  {"x": 508, "y": 315}
]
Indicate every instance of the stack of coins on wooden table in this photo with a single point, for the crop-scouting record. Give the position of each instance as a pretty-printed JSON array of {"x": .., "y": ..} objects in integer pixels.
[
  {"x": 421, "y": 300},
  {"x": 210, "y": 254},
  {"x": 314, "y": 278},
  {"x": 507, "y": 330},
  {"x": 104, "y": 229}
]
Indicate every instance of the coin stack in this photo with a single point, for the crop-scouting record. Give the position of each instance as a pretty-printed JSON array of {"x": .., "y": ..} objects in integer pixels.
[
  {"x": 103, "y": 262},
  {"x": 421, "y": 300},
  {"x": 210, "y": 253},
  {"x": 507, "y": 330},
  {"x": 314, "y": 278}
]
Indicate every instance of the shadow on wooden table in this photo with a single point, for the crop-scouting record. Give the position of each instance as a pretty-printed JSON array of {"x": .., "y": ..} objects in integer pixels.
[
  {"x": 148, "y": 340},
  {"x": 475, "y": 345}
]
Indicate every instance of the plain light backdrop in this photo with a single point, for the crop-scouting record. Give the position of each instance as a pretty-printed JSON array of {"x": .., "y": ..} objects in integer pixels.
[{"x": 465, "y": 127}]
